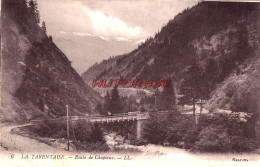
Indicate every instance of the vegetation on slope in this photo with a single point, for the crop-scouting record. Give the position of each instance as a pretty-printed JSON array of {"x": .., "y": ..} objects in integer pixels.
[
  {"x": 208, "y": 30},
  {"x": 35, "y": 72}
]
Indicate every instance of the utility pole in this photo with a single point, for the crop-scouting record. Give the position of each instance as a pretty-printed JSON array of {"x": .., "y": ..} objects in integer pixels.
[
  {"x": 201, "y": 105},
  {"x": 1, "y": 72},
  {"x": 1, "y": 64},
  {"x": 68, "y": 128}
]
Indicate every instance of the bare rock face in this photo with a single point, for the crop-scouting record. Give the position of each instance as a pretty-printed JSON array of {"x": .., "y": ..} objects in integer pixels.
[{"x": 36, "y": 74}]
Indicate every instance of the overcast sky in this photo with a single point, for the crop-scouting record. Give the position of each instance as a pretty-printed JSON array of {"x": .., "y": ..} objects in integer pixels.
[{"x": 132, "y": 19}]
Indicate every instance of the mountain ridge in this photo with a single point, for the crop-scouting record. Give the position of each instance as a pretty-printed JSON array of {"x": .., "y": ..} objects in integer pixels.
[{"x": 209, "y": 30}]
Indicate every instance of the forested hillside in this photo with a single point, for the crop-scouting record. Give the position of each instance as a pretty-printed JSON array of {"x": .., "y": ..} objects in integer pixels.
[
  {"x": 38, "y": 79},
  {"x": 216, "y": 37}
]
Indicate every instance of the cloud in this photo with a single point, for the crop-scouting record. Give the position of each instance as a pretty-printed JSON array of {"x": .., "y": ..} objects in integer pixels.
[
  {"x": 73, "y": 16},
  {"x": 130, "y": 19},
  {"x": 122, "y": 39},
  {"x": 113, "y": 26},
  {"x": 104, "y": 38},
  {"x": 81, "y": 34},
  {"x": 140, "y": 41},
  {"x": 63, "y": 32}
]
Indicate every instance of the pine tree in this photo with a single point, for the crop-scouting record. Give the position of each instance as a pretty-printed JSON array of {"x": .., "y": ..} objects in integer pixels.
[
  {"x": 156, "y": 98},
  {"x": 242, "y": 47},
  {"x": 34, "y": 12},
  {"x": 107, "y": 103},
  {"x": 99, "y": 108},
  {"x": 37, "y": 13},
  {"x": 115, "y": 103},
  {"x": 167, "y": 98},
  {"x": 191, "y": 87},
  {"x": 227, "y": 66},
  {"x": 211, "y": 70},
  {"x": 97, "y": 134},
  {"x": 210, "y": 77},
  {"x": 44, "y": 27}
]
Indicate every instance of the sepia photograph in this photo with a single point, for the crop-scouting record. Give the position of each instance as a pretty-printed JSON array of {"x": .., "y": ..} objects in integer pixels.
[{"x": 129, "y": 83}]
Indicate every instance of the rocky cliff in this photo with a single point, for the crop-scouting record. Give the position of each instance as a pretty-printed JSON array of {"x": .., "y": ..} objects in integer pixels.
[{"x": 38, "y": 79}]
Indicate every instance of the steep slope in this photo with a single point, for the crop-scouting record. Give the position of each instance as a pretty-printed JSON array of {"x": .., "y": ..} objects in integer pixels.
[
  {"x": 239, "y": 89},
  {"x": 208, "y": 30},
  {"x": 38, "y": 78}
]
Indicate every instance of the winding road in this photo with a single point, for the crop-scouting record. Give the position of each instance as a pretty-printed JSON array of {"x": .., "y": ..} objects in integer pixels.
[
  {"x": 13, "y": 142},
  {"x": 20, "y": 144}
]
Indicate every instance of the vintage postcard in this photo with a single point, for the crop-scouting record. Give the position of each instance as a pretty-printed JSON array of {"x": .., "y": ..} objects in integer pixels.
[{"x": 129, "y": 83}]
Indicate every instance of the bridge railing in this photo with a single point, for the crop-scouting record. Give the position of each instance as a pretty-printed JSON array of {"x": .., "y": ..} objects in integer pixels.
[
  {"x": 136, "y": 115},
  {"x": 122, "y": 116},
  {"x": 119, "y": 117}
]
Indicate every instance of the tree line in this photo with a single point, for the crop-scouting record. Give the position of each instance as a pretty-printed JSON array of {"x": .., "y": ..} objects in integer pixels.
[
  {"x": 34, "y": 14},
  {"x": 114, "y": 103}
]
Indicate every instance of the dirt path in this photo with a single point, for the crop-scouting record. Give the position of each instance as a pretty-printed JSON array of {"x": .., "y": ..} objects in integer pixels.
[{"x": 14, "y": 142}]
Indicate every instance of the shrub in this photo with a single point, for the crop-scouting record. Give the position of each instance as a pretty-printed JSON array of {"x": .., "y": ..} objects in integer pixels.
[
  {"x": 213, "y": 139},
  {"x": 242, "y": 144},
  {"x": 50, "y": 128},
  {"x": 190, "y": 138},
  {"x": 92, "y": 147},
  {"x": 86, "y": 131},
  {"x": 171, "y": 127},
  {"x": 81, "y": 130},
  {"x": 126, "y": 150},
  {"x": 240, "y": 134},
  {"x": 96, "y": 134},
  {"x": 232, "y": 124},
  {"x": 176, "y": 133},
  {"x": 230, "y": 90},
  {"x": 154, "y": 132},
  {"x": 177, "y": 128}
]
